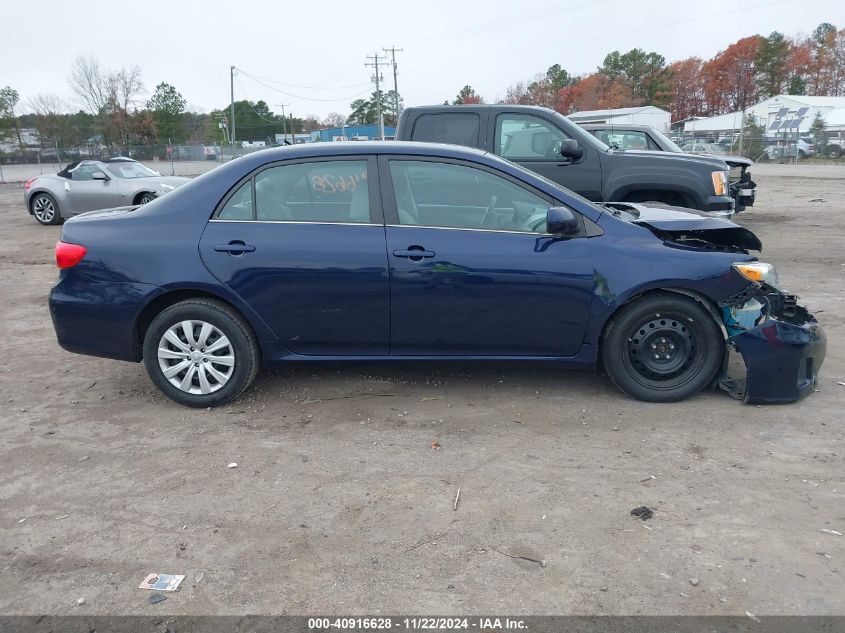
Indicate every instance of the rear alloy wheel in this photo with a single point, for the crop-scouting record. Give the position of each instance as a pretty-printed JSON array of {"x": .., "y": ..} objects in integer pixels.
[
  {"x": 145, "y": 198},
  {"x": 200, "y": 353},
  {"x": 45, "y": 209},
  {"x": 663, "y": 348}
]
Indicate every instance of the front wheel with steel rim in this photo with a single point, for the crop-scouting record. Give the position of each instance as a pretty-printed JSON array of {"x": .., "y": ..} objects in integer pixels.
[
  {"x": 662, "y": 347},
  {"x": 45, "y": 209},
  {"x": 200, "y": 353}
]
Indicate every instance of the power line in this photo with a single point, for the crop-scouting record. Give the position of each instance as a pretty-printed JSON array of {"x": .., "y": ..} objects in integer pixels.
[
  {"x": 295, "y": 96},
  {"x": 282, "y": 83}
]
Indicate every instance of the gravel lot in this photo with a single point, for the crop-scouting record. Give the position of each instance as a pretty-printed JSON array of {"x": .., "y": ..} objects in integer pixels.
[{"x": 339, "y": 503}]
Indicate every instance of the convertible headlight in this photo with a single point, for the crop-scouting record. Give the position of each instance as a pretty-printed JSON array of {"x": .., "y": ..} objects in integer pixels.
[
  {"x": 720, "y": 182},
  {"x": 758, "y": 271}
]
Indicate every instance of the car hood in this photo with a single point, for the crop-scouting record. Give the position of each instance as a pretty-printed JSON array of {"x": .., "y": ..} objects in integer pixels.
[
  {"x": 714, "y": 162},
  {"x": 680, "y": 226}
]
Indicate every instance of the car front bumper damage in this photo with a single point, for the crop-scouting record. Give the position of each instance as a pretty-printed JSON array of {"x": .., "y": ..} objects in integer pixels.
[{"x": 775, "y": 346}]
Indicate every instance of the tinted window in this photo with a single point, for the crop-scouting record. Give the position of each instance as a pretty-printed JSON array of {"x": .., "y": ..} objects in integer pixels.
[
  {"x": 626, "y": 139},
  {"x": 455, "y": 128},
  {"x": 239, "y": 206},
  {"x": 456, "y": 196},
  {"x": 330, "y": 191},
  {"x": 524, "y": 136}
]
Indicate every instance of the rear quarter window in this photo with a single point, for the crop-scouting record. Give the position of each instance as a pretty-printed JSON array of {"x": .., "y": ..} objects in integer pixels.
[{"x": 455, "y": 128}]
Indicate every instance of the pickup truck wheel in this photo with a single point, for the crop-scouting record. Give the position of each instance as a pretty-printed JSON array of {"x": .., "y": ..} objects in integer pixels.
[{"x": 662, "y": 348}]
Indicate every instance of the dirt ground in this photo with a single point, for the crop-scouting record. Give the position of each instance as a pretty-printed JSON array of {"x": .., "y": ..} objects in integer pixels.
[{"x": 339, "y": 504}]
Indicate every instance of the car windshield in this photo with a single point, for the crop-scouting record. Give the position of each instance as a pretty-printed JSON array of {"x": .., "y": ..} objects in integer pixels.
[
  {"x": 127, "y": 169},
  {"x": 667, "y": 142}
]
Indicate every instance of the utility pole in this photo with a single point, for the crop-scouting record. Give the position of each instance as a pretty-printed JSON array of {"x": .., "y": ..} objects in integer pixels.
[
  {"x": 284, "y": 121},
  {"x": 377, "y": 77},
  {"x": 232, "y": 94},
  {"x": 393, "y": 50}
]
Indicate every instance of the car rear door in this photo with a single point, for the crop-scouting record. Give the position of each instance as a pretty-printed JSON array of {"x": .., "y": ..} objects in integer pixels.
[
  {"x": 302, "y": 242},
  {"x": 472, "y": 271}
]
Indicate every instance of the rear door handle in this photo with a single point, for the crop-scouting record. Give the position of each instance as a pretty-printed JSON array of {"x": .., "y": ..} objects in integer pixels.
[
  {"x": 414, "y": 253},
  {"x": 235, "y": 247}
]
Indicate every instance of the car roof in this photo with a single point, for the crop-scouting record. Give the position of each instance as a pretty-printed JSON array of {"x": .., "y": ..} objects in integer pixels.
[
  {"x": 345, "y": 148},
  {"x": 465, "y": 107}
]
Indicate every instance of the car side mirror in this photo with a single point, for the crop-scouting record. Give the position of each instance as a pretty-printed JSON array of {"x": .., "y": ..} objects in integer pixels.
[
  {"x": 98, "y": 175},
  {"x": 561, "y": 221},
  {"x": 569, "y": 148}
]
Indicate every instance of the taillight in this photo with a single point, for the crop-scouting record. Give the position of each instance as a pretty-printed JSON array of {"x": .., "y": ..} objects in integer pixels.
[
  {"x": 69, "y": 255},
  {"x": 28, "y": 184}
]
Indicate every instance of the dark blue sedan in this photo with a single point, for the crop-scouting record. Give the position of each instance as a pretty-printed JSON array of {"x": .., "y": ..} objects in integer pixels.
[{"x": 404, "y": 251}]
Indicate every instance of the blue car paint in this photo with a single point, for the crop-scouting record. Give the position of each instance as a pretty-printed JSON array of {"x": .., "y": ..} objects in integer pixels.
[{"x": 484, "y": 295}]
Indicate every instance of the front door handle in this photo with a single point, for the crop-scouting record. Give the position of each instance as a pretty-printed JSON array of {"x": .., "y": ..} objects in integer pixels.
[
  {"x": 415, "y": 253},
  {"x": 235, "y": 247}
]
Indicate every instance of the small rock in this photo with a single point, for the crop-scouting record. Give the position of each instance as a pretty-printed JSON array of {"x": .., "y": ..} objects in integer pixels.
[
  {"x": 232, "y": 465},
  {"x": 694, "y": 581},
  {"x": 602, "y": 588},
  {"x": 753, "y": 560},
  {"x": 83, "y": 459},
  {"x": 615, "y": 428},
  {"x": 80, "y": 602},
  {"x": 450, "y": 587},
  {"x": 200, "y": 576}
]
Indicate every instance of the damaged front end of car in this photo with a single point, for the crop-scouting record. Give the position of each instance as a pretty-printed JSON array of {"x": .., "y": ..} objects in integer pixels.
[{"x": 775, "y": 346}]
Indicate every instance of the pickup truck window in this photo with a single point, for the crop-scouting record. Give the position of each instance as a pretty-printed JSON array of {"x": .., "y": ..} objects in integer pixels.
[
  {"x": 433, "y": 194},
  {"x": 527, "y": 137},
  {"x": 449, "y": 127}
]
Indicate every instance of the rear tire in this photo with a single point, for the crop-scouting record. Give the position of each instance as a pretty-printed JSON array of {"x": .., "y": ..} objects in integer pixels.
[
  {"x": 662, "y": 347},
  {"x": 45, "y": 209},
  {"x": 200, "y": 353}
]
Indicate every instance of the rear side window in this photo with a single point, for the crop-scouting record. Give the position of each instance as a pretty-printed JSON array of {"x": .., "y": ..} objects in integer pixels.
[
  {"x": 320, "y": 191},
  {"x": 453, "y": 127}
]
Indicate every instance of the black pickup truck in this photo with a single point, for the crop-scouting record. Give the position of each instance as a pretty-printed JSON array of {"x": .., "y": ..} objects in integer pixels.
[{"x": 551, "y": 145}]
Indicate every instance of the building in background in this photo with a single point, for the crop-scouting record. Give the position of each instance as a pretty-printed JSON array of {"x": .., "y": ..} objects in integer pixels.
[
  {"x": 782, "y": 116},
  {"x": 352, "y": 133},
  {"x": 641, "y": 115}
]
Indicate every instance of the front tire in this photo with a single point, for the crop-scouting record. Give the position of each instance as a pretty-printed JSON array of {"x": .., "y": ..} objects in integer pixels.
[
  {"x": 662, "y": 348},
  {"x": 200, "y": 353},
  {"x": 45, "y": 209},
  {"x": 144, "y": 198}
]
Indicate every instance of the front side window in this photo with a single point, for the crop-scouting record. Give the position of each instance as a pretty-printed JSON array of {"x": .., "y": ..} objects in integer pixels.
[
  {"x": 457, "y": 196},
  {"x": 325, "y": 191},
  {"x": 527, "y": 137},
  {"x": 85, "y": 172}
]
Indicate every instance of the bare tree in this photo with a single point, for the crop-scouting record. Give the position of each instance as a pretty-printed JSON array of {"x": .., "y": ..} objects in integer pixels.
[
  {"x": 50, "y": 119},
  {"x": 91, "y": 85},
  {"x": 335, "y": 119}
]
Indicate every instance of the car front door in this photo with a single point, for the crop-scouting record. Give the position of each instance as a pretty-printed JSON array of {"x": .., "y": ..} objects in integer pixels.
[
  {"x": 534, "y": 142},
  {"x": 472, "y": 271},
  {"x": 86, "y": 194},
  {"x": 303, "y": 244}
]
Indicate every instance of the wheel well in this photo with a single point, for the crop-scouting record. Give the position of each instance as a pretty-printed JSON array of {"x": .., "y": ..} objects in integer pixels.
[
  {"x": 137, "y": 198},
  {"x": 673, "y": 198},
  {"x": 154, "y": 308},
  {"x": 708, "y": 304}
]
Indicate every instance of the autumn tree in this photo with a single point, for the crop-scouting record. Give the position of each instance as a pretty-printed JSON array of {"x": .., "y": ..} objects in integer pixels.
[
  {"x": 686, "y": 86},
  {"x": 641, "y": 76},
  {"x": 729, "y": 77},
  {"x": 467, "y": 95}
]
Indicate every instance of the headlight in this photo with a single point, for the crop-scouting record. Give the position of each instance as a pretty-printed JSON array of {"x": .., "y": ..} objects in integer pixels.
[
  {"x": 720, "y": 182},
  {"x": 757, "y": 271}
]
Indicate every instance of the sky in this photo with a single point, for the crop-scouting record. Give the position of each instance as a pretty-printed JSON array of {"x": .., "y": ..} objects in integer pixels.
[{"x": 310, "y": 56}]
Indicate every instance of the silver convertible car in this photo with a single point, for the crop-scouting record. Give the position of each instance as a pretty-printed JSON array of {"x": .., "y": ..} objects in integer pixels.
[{"x": 89, "y": 185}]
